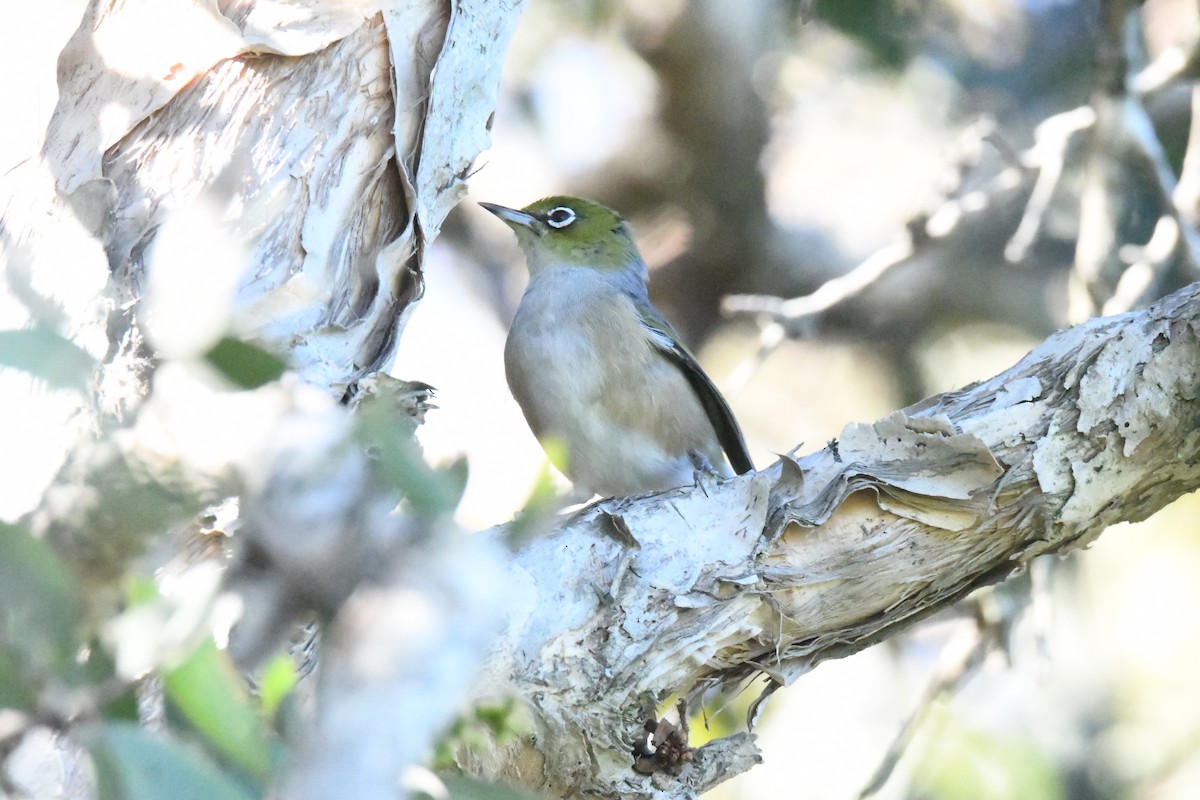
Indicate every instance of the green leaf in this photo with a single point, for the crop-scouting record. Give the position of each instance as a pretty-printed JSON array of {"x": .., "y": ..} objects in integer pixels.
[
  {"x": 124, "y": 706},
  {"x": 135, "y": 764},
  {"x": 140, "y": 590},
  {"x": 98, "y": 667},
  {"x": 501, "y": 718},
  {"x": 247, "y": 365},
  {"x": 277, "y": 681},
  {"x": 399, "y": 459},
  {"x": 539, "y": 511},
  {"x": 486, "y": 727},
  {"x": 209, "y": 693},
  {"x": 39, "y": 613},
  {"x": 45, "y": 354},
  {"x": 14, "y": 691}
]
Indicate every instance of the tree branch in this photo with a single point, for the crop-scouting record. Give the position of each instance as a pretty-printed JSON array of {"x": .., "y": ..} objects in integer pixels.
[{"x": 699, "y": 589}]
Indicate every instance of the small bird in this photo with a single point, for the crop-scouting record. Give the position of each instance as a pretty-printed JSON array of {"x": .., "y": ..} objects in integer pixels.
[{"x": 619, "y": 404}]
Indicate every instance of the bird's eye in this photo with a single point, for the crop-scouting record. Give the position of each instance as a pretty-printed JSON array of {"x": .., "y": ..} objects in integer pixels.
[{"x": 560, "y": 217}]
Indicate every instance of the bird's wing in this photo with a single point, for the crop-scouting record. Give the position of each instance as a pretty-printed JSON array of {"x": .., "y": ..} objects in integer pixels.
[{"x": 664, "y": 338}]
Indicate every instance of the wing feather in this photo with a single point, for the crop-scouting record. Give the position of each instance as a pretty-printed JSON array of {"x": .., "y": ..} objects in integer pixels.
[{"x": 729, "y": 434}]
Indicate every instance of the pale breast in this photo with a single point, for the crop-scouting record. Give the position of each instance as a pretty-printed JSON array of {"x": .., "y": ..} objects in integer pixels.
[{"x": 585, "y": 374}]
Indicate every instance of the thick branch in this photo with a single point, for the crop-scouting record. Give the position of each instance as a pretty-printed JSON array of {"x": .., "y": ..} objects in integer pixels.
[{"x": 818, "y": 557}]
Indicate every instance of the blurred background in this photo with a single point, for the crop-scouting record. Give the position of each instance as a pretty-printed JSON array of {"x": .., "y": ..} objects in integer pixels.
[
  {"x": 765, "y": 148},
  {"x": 757, "y": 153}
]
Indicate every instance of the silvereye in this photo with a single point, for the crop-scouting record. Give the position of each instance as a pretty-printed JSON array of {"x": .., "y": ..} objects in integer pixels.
[{"x": 618, "y": 403}]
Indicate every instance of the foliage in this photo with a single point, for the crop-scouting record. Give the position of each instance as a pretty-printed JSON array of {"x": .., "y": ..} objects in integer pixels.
[
  {"x": 484, "y": 726},
  {"x": 63, "y": 668},
  {"x": 215, "y": 745}
]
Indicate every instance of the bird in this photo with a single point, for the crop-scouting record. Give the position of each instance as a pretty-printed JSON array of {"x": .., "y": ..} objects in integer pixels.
[{"x": 617, "y": 401}]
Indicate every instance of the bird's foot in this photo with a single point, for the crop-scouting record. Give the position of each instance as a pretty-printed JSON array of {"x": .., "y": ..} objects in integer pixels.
[{"x": 704, "y": 474}]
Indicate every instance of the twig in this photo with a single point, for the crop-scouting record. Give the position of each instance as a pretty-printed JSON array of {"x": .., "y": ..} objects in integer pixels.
[
  {"x": 1100, "y": 204},
  {"x": 779, "y": 317},
  {"x": 1146, "y": 145},
  {"x": 1048, "y": 156},
  {"x": 1187, "y": 190},
  {"x": 1145, "y": 264},
  {"x": 935, "y": 224},
  {"x": 1180, "y": 62},
  {"x": 830, "y": 293},
  {"x": 776, "y": 311},
  {"x": 769, "y": 338}
]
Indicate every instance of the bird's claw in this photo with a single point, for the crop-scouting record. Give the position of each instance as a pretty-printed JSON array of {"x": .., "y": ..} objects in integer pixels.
[{"x": 704, "y": 474}]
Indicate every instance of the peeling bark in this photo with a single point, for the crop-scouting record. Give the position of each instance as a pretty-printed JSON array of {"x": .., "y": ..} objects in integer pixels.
[{"x": 329, "y": 137}]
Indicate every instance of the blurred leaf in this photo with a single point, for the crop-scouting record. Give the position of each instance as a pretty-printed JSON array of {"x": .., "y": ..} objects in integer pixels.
[
  {"x": 44, "y": 354},
  {"x": 123, "y": 707},
  {"x": 247, "y": 365},
  {"x": 108, "y": 778},
  {"x": 277, "y": 682},
  {"x": 885, "y": 28},
  {"x": 208, "y": 692},
  {"x": 133, "y": 763},
  {"x": 39, "y": 613},
  {"x": 161, "y": 630},
  {"x": 501, "y": 718},
  {"x": 487, "y": 727},
  {"x": 140, "y": 590},
  {"x": 589, "y": 14},
  {"x": 14, "y": 692},
  {"x": 399, "y": 459},
  {"x": 539, "y": 509},
  {"x": 445, "y": 749},
  {"x": 95, "y": 666},
  {"x": 454, "y": 476}
]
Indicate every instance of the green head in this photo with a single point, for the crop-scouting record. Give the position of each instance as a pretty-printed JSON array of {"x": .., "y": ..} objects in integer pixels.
[{"x": 571, "y": 231}]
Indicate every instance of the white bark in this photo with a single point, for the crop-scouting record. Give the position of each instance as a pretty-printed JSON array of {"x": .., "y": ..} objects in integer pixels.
[{"x": 817, "y": 557}]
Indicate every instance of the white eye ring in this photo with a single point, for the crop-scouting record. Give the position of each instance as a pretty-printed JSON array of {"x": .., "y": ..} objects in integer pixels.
[{"x": 560, "y": 217}]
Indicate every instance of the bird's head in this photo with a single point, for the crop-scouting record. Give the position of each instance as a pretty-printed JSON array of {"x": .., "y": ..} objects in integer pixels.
[{"x": 571, "y": 231}]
